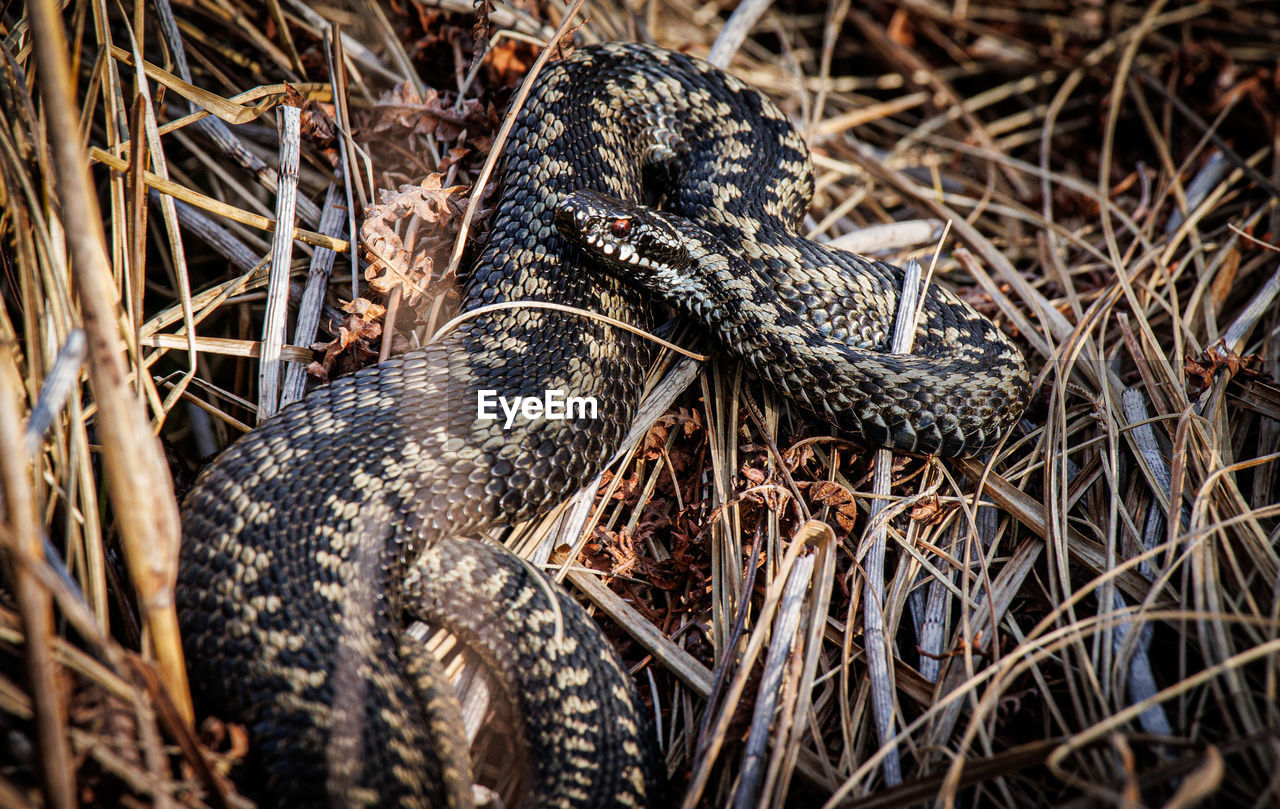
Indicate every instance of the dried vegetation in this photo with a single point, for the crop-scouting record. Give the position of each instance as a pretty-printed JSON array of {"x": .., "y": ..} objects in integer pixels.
[{"x": 1091, "y": 615}]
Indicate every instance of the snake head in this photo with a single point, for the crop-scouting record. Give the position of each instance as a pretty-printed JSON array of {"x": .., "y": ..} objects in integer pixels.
[{"x": 629, "y": 240}]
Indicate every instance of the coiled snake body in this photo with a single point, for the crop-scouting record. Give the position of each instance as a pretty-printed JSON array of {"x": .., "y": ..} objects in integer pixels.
[{"x": 310, "y": 542}]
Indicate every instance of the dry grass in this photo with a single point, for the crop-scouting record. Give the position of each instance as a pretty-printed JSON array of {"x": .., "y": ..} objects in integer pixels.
[{"x": 1090, "y": 615}]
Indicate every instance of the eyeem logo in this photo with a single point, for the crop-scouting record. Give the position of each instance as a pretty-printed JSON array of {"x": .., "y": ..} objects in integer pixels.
[{"x": 553, "y": 406}]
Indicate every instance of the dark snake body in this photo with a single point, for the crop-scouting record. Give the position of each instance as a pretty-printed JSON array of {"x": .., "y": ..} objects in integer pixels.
[
  {"x": 313, "y": 540},
  {"x": 958, "y": 391}
]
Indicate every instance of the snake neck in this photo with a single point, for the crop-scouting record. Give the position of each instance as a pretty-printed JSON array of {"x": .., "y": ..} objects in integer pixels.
[{"x": 958, "y": 391}]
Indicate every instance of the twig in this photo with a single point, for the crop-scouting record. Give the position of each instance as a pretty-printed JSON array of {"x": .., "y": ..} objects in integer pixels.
[
  {"x": 304, "y": 332},
  {"x": 216, "y": 130},
  {"x": 389, "y": 321},
  {"x": 176, "y": 250},
  {"x": 876, "y": 644},
  {"x": 1141, "y": 681},
  {"x": 347, "y": 152},
  {"x": 217, "y": 206},
  {"x": 679, "y": 662},
  {"x": 241, "y": 256},
  {"x": 1206, "y": 178},
  {"x": 1259, "y": 304},
  {"x": 891, "y": 236},
  {"x": 784, "y": 634},
  {"x": 350, "y": 45},
  {"x": 58, "y": 384},
  {"x": 35, "y": 604},
  {"x": 573, "y": 522},
  {"x": 735, "y": 30},
  {"x": 136, "y": 472},
  {"x": 706, "y": 755},
  {"x": 250, "y": 349},
  {"x": 281, "y": 263},
  {"x": 1199, "y": 123}
]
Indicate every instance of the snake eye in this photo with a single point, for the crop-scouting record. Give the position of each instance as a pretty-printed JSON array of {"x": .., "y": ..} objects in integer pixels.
[{"x": 620, "y": 227}]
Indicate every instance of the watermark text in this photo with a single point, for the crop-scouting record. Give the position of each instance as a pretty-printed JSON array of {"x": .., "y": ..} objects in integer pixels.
[{"x": 553, "y": 405}]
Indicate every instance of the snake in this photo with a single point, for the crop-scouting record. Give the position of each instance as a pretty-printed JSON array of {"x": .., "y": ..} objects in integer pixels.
[
  {"x": 314, "y": 540},
  {"x": 956, "y": 392}
]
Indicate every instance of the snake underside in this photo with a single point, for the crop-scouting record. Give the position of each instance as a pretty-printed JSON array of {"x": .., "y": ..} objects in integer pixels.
[{"x": 312, "y": 541}]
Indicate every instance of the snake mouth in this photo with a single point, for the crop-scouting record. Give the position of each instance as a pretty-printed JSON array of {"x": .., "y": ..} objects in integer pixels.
[
  {"x": 626, "y": 238},
  {"x": 622, "y": 252}
]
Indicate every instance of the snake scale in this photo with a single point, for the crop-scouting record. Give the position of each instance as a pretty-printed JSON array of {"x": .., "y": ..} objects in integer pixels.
[
  {"x": 311, "y": 542},
  {"x": 958, "y": 392}
]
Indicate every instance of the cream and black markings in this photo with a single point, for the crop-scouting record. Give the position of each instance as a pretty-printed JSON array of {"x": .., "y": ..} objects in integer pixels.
[
  {"x": 959, "y": 391},
  {"x": 310, "y": 543}
]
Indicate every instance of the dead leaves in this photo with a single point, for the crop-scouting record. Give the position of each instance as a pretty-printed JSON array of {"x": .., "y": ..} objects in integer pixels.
[
  {"x": 409, "y": 234},
  {"x": 1217, "y": 359},
  {"x": 403, "y": 112},
  {"x": 840, "y": 502},
  {"x": 354, "y": 345}
]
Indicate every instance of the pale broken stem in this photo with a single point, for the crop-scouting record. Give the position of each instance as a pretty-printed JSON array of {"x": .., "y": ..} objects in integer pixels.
[
  {"x": 274, "y": 323},
  {"x": 304, "y": 333},
  {"x": 735, "y": 31},
  {"x": 786, "y": 758},
  {"x": 1134, "y": 642},
  {"x": 785, "y": 628},
  {"x": 790, "y": 650},
  {"x": 705, "y": 756},
  {"x": 877, "y": 646},
  {"x": 888, "y": 236},
  {"x": 225, "y": 345},
  {"x": 58, "y": 385},
  {"x": 680, "y": 663},
  {"x": 1233, "y": 339}
]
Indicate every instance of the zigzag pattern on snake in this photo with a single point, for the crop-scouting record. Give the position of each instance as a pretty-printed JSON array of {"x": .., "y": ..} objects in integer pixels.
[
  {"x": 311, "y": 541},
  {"x": 957, "y": 392}
]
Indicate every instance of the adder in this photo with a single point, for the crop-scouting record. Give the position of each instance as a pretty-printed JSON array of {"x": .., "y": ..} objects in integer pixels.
[{"x": 311, "y": 542}]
